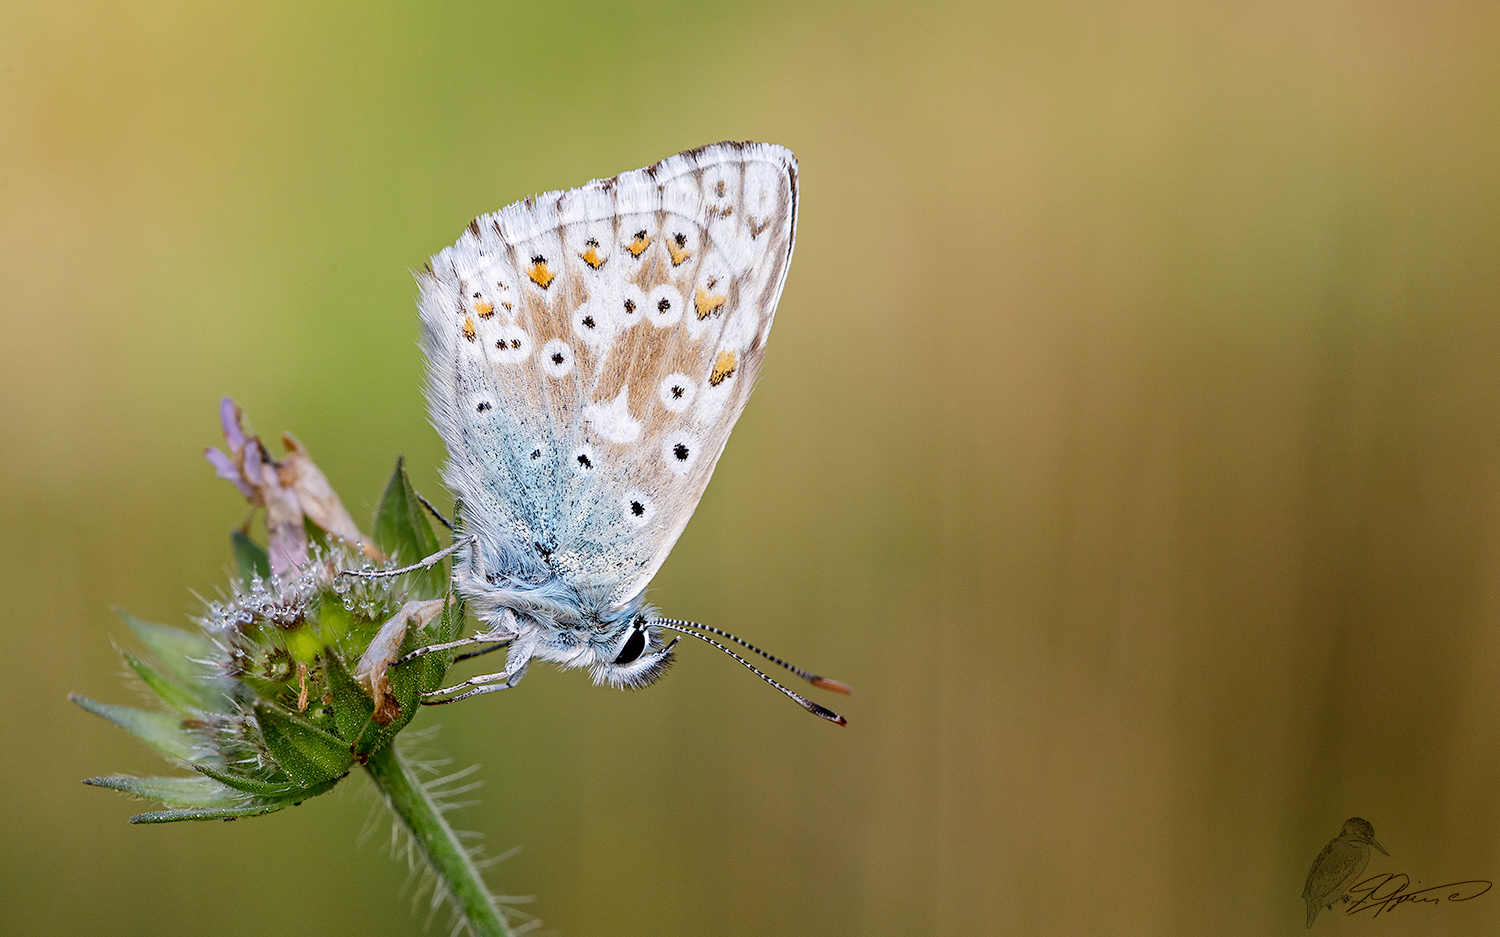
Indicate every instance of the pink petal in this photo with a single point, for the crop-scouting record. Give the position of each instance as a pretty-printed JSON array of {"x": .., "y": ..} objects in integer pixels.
[
  {"x": 229, "y": 418},
  {"x": 225, "y": 468}
]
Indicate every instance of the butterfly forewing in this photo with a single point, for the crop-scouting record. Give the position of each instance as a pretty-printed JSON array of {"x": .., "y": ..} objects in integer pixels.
[{"x": 590, "y": 350}]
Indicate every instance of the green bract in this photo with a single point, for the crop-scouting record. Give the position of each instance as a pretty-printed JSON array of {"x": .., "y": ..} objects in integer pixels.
[
  {"x": 300, "y": 674},
  {"x": 262, "y": 702}
]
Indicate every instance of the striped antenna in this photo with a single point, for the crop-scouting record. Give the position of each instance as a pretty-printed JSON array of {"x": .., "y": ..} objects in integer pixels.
[
  {"x": 685, "y": 627},
  {"x": 825, "y": 683}
]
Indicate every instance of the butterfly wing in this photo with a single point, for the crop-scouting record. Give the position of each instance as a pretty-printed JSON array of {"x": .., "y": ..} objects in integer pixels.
[{"x": 589, "y": 352}]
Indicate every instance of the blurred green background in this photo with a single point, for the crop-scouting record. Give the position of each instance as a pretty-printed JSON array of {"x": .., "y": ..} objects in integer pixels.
[{"x": 1129, "y": 439}]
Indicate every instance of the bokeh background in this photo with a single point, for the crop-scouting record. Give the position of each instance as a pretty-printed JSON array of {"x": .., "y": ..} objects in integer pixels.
[{"x": 1129, "y": 438}]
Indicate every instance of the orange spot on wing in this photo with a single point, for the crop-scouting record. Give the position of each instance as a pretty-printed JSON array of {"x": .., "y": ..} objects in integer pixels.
[
  {"x": 723, "y": 367},
  {"x": 592, "y": 258},
  {"x": 638, "y": 244},
  {"x": 485, "y": 310},
  {"x": 468, "y": 329},
  {"x": 679, "y": 254},
  {"x": 539, "y": 273},
  {"x": 707, "y": 303}
]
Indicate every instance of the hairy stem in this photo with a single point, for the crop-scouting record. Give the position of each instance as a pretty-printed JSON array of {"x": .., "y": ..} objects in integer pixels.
[{"x": 436, "y": 839}]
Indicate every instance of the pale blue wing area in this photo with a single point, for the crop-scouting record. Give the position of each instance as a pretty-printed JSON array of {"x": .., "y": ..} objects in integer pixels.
[{"x": 589, "y": 352}]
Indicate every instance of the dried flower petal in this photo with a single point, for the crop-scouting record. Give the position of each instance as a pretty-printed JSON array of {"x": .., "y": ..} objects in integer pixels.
[
  {"x": 289, "y": 491},
  {"x": 382, "y": 652},
  {"x": 316, "y": 496}
]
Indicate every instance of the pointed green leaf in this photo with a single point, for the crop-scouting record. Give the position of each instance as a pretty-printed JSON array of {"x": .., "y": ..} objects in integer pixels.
[
  {"x": 250, "y": 557},
  {"x": 162, "y": 731},
  {"x": 307, "y": 754},
  {"x": 406, "y": 679},
  {"x": 226, "y": 813},
  {"x": 446, "y": 626},
  {"x": 353, "y": 710},
  {"x": 275, "y": 788},
  {"x": 254, "y": 808},
  {"x": 403, "y": 534},
  {"x": 174, "y": 792},
  {"x": 430, "y": 669},
  {"x": 181, "y": 652},
  {"x": 187, "y": 697}
]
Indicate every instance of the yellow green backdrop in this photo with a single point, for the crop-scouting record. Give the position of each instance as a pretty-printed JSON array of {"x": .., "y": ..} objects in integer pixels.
[{"x": 1129, "y": 438}]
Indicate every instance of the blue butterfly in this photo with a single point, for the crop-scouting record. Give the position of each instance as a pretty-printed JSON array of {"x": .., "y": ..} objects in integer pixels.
[{"x": 588, "y": 354}]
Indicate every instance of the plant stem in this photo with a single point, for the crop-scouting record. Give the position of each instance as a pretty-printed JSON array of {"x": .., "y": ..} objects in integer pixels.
[{"x": 447, "y": 856}]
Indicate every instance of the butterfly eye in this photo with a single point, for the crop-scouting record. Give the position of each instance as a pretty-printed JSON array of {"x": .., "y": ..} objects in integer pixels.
[{"x": 634, "y": 645}]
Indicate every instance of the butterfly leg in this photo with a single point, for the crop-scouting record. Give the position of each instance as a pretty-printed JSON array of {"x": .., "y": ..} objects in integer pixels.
[
  {"x": 515, "y": 669},
  {"x": 489, "y": 650},
  {"x": 498, "y": 641},
  {"x": 433, "y": 511},
  {"x": 420, "y": 564},
  {"x": 487, "y": 688},
  {"x": 502, "y": 632}
]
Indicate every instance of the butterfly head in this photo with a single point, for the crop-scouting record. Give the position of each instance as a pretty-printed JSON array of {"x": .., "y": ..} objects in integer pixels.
[{"x": 640, "y": 655}]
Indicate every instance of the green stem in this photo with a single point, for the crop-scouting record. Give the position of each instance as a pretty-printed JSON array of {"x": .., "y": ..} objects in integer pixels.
[{"x": 437, "y": 841}]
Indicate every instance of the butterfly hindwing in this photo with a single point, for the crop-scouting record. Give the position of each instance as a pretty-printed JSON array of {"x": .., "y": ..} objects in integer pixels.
[{"x": 589, "y": 352}]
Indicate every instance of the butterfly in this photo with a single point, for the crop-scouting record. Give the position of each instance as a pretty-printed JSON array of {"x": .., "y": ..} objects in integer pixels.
[{"x": 588, "y": 353}]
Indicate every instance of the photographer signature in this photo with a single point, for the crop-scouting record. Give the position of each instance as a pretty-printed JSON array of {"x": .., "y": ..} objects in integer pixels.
[{"x": 1387, "y": 891}]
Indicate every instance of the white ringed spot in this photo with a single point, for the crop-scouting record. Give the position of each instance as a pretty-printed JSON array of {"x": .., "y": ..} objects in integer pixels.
[
  {"x": 557, "y": 358},
  {"x": 511, "y": 344},
  {"x": 664, "y": 305},
  {"x": 679, "y": 451},
  {"x": 637, "y": 507},
  {"x": 632, "y": 306},
  {"x": 676, "y": 392},
  {"x": 584, "y": 460}
]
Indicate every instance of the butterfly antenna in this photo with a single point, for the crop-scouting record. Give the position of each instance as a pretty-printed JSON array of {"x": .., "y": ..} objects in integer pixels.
[
  {"x": 826, "y": 683},
  {"x": 807, "y": 704}
]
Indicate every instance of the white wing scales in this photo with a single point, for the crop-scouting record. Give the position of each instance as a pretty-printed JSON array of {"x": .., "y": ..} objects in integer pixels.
[{"x": 590, "y": 350}]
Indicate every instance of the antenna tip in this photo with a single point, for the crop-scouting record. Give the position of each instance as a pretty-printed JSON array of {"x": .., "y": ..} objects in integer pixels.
[
  {"x": 837, "y": 686},
  {"x": 823, "y": 712}
]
